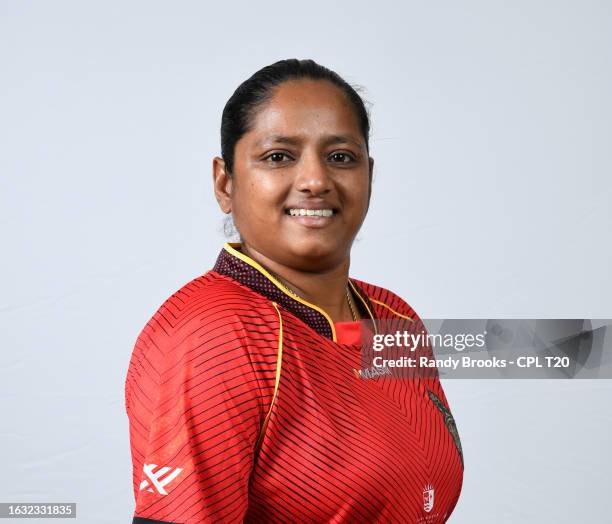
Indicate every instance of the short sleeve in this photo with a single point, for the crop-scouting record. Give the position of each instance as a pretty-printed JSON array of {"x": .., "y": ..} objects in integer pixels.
[{"x": 195, "y": 397}]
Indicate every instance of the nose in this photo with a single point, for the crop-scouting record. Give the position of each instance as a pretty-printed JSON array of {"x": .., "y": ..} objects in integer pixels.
[{"x": 313, "y": 175}]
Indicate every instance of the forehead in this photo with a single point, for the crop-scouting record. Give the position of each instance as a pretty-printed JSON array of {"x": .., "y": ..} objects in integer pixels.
[{"x": 307, "y": 108}]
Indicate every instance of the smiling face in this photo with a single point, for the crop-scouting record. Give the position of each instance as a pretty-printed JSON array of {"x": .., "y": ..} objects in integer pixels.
[{"x": 301, "y": 182}]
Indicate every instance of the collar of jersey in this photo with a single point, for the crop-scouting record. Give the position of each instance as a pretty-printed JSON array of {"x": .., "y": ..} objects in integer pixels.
[{"x": 233, "y": 263}]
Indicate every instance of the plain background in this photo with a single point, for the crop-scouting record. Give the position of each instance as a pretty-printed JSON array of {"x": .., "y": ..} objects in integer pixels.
[{"x": 491, "y": 135}]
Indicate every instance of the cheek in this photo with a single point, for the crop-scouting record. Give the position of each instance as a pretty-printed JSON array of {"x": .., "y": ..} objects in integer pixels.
[
  {"x": 257, "y": 200},
  {"x": 357, "y": 196}
]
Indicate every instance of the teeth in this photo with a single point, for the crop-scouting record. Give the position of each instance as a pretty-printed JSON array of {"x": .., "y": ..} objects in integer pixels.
[{"x": 311, "y": 212}]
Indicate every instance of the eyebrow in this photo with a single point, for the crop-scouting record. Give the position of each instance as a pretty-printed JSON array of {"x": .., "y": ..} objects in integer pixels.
[{"x": 295, "y": 140}]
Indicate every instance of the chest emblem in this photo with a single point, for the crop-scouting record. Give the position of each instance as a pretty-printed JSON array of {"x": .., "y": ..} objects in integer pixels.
[
  {"x": 428, "y": 498},
  {"x": 449, "y": 422}
]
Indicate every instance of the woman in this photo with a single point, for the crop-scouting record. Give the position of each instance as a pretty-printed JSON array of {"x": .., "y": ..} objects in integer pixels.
[{"x": 243, "y": 391}]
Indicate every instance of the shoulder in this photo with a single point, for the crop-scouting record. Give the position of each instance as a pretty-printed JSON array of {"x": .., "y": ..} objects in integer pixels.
[
  {"x": 208, "y": 299},
  {"x": 211, "y": 326},
  {"x": 386, "y": 300},
  {"x": 208, "y": 315}
]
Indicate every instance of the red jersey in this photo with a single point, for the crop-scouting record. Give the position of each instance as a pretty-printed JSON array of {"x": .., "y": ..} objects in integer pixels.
[{"x": 244, "y": 405}]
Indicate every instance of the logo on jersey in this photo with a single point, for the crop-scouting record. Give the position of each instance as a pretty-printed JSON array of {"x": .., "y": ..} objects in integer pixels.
[
  {"x": 158, "y": 479},
  {"x": 428, "y": 498},
  {"x": 373, "y": 372}
]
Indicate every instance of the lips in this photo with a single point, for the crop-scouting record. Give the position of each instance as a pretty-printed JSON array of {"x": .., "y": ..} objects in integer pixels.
[{"x": 312, "y": 215}]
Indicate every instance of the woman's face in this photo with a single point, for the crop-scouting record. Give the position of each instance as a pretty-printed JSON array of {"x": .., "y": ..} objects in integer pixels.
[{"x": 301, "y": 183}]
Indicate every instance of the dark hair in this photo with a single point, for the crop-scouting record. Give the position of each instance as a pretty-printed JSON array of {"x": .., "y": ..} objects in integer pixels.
[{"x": 240, "y": 110}]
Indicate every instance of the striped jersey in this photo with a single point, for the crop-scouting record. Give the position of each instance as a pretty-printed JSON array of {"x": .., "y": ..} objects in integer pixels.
[{"x": 247, "y": 404}]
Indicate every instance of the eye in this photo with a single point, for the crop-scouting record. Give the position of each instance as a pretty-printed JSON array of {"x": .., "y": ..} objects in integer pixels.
[
  {"x": 341, "y": 157},
  {"x": 277, "y": 157}
]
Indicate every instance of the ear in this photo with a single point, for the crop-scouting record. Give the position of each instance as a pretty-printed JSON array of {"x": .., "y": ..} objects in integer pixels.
[
  {"x": 222, "y": 183},
  {"x": 370, "y": 174}
]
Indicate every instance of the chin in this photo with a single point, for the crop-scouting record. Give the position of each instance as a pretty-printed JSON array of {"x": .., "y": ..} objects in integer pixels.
[{"x": 318, "y": 252}]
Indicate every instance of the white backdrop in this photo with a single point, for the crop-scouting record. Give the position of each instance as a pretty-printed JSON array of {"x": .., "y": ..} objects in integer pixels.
[{"x": 491, "y": 135}]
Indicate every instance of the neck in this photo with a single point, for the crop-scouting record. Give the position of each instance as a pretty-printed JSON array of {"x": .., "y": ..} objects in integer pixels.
[{"x": 325, "y": 289}]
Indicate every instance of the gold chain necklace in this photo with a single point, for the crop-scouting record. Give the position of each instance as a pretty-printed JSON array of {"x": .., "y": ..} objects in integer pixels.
[
  {"x": 349, "y": 299},
  {"x": 348, "y": 294}
]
